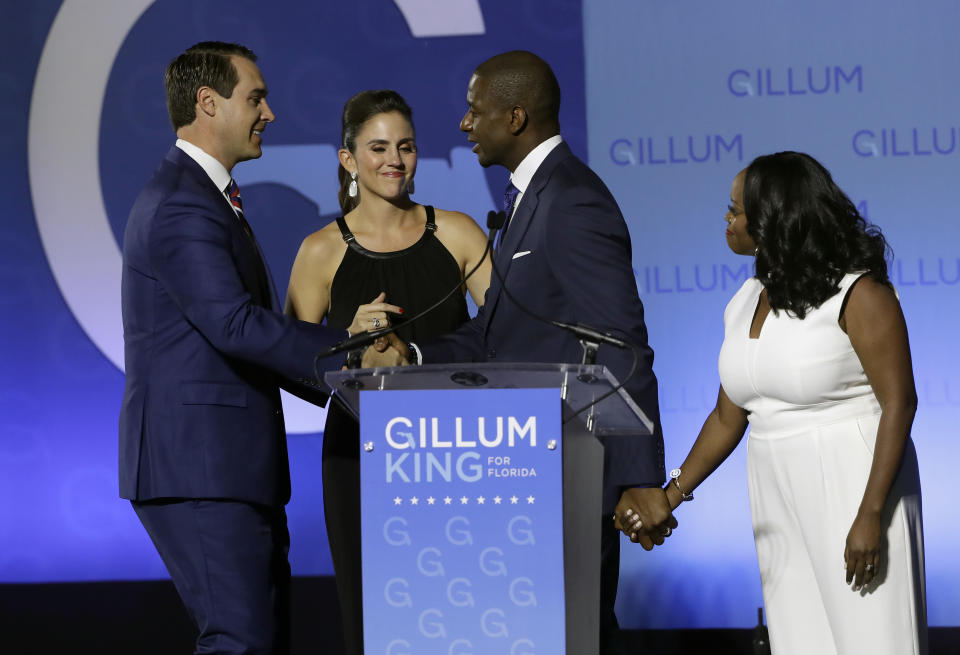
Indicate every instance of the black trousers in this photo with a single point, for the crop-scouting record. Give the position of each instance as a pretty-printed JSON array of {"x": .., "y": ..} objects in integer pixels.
[{"x": 341, "y": 511}]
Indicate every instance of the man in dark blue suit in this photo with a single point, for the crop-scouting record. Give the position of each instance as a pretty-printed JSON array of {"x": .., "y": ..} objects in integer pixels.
[
  {"x": 564, "y": 253},
  {"x": 203, "y": 455}
]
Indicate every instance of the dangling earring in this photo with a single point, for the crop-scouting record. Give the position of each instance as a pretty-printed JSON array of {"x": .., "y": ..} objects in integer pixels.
[
  {"x": 410, "y": 187},
  {"x": 352, "y": 189}
]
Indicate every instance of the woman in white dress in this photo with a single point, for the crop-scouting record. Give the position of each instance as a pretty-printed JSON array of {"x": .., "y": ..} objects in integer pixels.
[{"x": 816, "y": 359}]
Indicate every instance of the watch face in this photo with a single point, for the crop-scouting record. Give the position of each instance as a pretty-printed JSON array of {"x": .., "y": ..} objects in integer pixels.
[{"x": 675, "y": 473}]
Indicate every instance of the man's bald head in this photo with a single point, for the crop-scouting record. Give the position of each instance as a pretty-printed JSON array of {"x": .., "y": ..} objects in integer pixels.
[{"x": 521, "y": 78}]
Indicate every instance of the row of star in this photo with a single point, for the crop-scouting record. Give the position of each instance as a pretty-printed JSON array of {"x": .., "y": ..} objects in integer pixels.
[{"x": 464, "y": 500}]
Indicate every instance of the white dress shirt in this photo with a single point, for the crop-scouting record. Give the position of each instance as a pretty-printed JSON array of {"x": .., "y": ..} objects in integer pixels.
[
  {"x": 214, "y": 169},
  {"x": 528, "y": 167}
]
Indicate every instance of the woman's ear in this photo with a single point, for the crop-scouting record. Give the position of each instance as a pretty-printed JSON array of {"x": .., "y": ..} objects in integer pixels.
[{"x": 346, "y": 160}]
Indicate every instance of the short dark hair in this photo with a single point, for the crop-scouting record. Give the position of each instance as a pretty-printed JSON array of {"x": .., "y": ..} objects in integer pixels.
[
  {"x": 204, "y": 64},
  {"x": 357, "y": 111},
  {"x": 809, "y": 234},
  {"x": 522, "y": 78}
]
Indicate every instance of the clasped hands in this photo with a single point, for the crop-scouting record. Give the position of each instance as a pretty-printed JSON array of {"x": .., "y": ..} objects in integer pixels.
[{"x": 645, "y": 516}]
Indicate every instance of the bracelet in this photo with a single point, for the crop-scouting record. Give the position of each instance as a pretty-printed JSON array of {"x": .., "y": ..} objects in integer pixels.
[{"x": 675, "y": 474}]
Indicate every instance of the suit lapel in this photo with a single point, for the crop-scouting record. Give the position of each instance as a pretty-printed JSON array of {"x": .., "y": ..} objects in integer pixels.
[
  {"x": 261, "y": 288},
  {"x": 521, "y": 221},
  {"x": 271, "y": 287}
]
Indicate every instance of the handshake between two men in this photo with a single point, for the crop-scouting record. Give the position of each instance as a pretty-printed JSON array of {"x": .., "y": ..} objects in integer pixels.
[{"x": 388, "y": 350}]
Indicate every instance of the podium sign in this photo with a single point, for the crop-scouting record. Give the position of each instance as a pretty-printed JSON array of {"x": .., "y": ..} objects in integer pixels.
[
  {"x": 481, "y": 504},
  {"x": 462, "y": 521}
]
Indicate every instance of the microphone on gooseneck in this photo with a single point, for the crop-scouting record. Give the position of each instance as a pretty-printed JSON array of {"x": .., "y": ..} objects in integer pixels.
[
  {"x": 494, "y": 223},
  {"x": 584, "y": 332},
  {"x": 589, "y": 337}
]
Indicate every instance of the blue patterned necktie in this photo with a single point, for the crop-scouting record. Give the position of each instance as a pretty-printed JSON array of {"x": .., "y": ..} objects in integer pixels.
[{"x": 509, "y": 197}]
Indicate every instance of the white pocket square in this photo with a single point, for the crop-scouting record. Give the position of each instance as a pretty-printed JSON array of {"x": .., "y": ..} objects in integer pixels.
[{"x": 518, "y": 255}]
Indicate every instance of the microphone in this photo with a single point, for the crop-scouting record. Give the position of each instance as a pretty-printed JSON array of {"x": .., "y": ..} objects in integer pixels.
[
  {"x": 358, "y": 340},
  {"x": 588, "y": 333},
  {"x": 495, "y": 221}
]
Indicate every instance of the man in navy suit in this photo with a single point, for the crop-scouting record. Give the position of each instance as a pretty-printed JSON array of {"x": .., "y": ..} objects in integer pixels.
[
  {"x": 564, "y": 253},
  {"x": 203, "y": 455}
]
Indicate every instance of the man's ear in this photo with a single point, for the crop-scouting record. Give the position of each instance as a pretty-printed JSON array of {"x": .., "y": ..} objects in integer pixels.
[
  {"x": 518, "y": 119},
  {"x": 207, "y": 100}
]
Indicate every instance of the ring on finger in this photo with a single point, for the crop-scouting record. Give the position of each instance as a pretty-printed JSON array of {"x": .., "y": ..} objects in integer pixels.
[
  {"x": 376, "y": 322},
  {"x": 667, "y": 531},
  {"x": 868, "y": 568}
]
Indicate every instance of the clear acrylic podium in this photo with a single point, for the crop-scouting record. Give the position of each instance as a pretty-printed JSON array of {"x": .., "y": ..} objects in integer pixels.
[{"x": 615, "y": 416}]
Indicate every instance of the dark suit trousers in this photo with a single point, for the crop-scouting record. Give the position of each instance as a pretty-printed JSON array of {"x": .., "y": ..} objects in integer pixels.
[{"x": 228, "y": 561}]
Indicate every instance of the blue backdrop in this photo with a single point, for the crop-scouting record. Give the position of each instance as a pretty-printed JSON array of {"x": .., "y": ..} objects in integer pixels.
[{"x": 667, "y": 101}]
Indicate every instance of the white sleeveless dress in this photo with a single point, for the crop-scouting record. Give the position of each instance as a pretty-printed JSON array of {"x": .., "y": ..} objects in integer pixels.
[{"x": 813, "y": 424}]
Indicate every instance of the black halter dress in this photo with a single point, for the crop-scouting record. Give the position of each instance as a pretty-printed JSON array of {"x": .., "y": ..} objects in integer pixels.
[{"x": 413, "y": 278}]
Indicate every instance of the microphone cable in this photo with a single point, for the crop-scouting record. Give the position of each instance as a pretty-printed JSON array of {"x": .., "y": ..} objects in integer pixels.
[{"x": 580, "y": 330}]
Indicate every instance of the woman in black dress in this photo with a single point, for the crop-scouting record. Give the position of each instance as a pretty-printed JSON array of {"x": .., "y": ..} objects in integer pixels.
[{"x": 394, "y": 257}]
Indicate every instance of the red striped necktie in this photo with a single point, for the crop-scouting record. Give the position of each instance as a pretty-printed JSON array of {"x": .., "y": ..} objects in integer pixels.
[
  {"x": 233, "y": 192},
  {"x": 266, "y": 285}
]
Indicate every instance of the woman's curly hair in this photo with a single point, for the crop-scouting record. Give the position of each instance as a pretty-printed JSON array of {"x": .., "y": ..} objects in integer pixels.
[{"x": 808, "y": 232}]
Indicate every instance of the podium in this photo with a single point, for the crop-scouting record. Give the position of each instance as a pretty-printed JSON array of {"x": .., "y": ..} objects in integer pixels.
[{"x": 481, "y": 489}]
